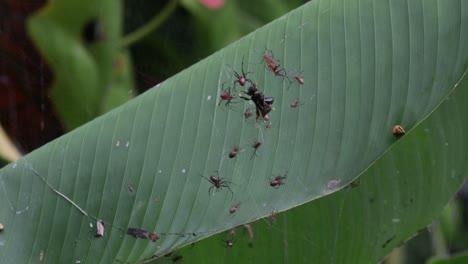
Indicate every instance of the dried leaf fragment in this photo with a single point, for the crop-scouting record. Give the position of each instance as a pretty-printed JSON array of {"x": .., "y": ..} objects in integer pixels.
[
  {"x": 398, "y": 130},
  {"x": 333, "y": 183},
  {"x": 99, "y": 228}
]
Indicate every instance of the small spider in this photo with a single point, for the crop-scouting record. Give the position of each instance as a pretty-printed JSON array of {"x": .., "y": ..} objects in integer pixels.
[
  {"x": 241, "y": 79},
  {"x": 227, "y": 96},
  {"x": 218, "y": 183},
  {"x": 274, "y": 64},
  {"x": 268, "y": 57},
  {"x": 233, "y": 152},
  {"x": 299, "y": 79},
  {"x": 278, "y": 181},
  {"x": 296, "y": 75},
  {"x": 256, "y": 145},
  {"x": 280, "y": 72},
  {"x": 296, "y": 104},
  {"x": 248, "y": 113},
  {"x": 234, "y": 208},
  {"x": 275, "y": 68}
]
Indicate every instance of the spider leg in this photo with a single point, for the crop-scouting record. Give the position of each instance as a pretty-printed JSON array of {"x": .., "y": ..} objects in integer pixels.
[
  {"x": 229, "y": 188},
  {"x": 250, "y": 81},
  {"x": 228, "y": 105}
]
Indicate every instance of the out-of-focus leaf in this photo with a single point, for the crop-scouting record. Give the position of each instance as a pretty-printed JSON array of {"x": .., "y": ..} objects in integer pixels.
[
  {"x": 80, "y": 39},
  {"x": 457, "y": 259},
  {"x": 7, "y": 149}
]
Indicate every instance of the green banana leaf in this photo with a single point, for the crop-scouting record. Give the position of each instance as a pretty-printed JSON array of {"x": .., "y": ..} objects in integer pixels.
[
  {"x": 366, "y": 68},
  {"x": 395, "y": 198},
  {"x": 457, "y": 259}
]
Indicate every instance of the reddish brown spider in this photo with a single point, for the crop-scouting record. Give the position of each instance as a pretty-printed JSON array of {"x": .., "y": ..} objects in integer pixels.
[
  {"x": 227, "y": 96},
  {"x": 299, "y": 79},
  {"x": 233, "y": 152},
  {"x": 248, "y": 113},
  {"x": 278, "y": 181},
  {"x": 241, "y": 79},
  {"x": 296, "y": 104},
  {"x": 234, "y": 208},
  {"x": 274, "y": 64},
  {"x": 256, "y": 145},
  {"x": 275, "y": 68},
  {"x": 269, "y": 58},
  {"x": 296, "y": 75},
  {"x": 218, "y": 183}
]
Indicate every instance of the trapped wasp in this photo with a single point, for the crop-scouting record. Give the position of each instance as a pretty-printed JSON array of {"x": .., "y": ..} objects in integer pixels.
[{"x": 262, "y": 103}]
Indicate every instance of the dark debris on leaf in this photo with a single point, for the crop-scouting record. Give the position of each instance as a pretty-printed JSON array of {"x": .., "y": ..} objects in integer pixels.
[{"x": 139, "y": 233}]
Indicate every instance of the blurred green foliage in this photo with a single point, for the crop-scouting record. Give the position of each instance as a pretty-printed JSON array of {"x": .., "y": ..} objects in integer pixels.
[{"x": 192, "y": 32}]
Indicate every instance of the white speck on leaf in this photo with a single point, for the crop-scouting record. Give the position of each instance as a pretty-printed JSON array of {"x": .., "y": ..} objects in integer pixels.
[
  {"x": 22, "y": 211},
  {"x": 117, "y": 144},
  {"x": 183, "y": 171},
  {"x": 396, "y": 220},
  {"x": 160, "y": 171},
  {"x": 332, "y": 183},
  {"x": 91, "y": 225},
  {"x": 209, "y": 97},
  {"x": 128, "y": 144}
]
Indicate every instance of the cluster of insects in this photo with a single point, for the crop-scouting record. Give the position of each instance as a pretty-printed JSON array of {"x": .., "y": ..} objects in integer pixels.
[
  {"x": 263, "y": 104},
  {"x": 250, "y": 91},
  {"x": 243, "y": 87}
]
